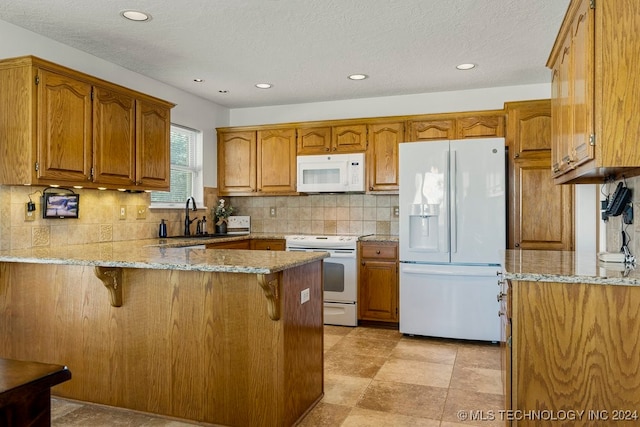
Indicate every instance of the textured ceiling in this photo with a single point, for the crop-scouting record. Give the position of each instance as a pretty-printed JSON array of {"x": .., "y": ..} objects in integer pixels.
[{"x": 306, "y": 48}]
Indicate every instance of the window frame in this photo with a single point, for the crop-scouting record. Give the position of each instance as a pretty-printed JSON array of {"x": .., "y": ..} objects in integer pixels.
[{"x": 197, "y": 185}]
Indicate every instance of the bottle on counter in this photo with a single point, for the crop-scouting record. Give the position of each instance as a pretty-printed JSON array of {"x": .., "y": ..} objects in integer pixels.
[
  {"x": 162, "y": 229},
  {"x": 204, "y": 225}
]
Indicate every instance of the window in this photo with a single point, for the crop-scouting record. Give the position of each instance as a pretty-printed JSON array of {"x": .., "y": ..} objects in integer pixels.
[{"x": 186, "y": 170}]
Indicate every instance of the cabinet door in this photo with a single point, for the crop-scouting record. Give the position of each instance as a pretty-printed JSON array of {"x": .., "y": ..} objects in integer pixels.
[
  {"x": 236, "y": 162},
  {"x": 542, "y": 215},
  {"x": 114, "y": 137},
  {"x": 379, "y": 291},
  {"x": 153, "y": 145},
  {"x": 349, "y": 138},
  {"x": 582, "y": 81},
  {"x": 480, "y": 126},
  {"x": 64, "y": 128},
  {"x": 276, "y": 172},
  {"x": 314, "y": 140},
  {"x": 382, "y": 156},
  {"x": 428, "y": 130},
  {"x": 528, "y": 128}
]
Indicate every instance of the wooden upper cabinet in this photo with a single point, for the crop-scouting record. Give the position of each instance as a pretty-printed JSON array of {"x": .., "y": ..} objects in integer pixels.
[
  {"x": 480, "y": 126},
  {"x": 528, "y": 128},
  {"x": 114, "y": 124},
  {"x": 593, "y": 93},
  {"x": 56, "y": 134},
  {"x": 349, "y": 138},
  {"x": 236, "y": 162},
  {"x": 382, "y": 156},
  {"x": 64, "y": 128},
  {"x": 252, "y": 163},
  {"x": 276, "y": 171},
  {"x": 153, "y": 145},
  {"x": 428, "y": 130},
  {"x": 314, "y": 140}
]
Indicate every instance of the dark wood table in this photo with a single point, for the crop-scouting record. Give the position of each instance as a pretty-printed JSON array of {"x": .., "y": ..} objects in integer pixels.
[{"x": 25, "y": 392}]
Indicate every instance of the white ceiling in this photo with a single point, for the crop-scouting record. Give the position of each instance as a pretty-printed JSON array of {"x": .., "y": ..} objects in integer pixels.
[{"x": 306, "y": 48}]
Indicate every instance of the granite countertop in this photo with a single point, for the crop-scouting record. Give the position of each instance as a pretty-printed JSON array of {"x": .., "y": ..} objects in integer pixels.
[
  {"x": 165, "y": 254},
  {"x": 379, "y": 238},
  {"x": 565, "y": 267}
]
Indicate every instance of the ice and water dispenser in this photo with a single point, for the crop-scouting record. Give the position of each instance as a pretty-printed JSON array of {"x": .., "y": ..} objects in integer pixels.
[{"x": 425, "y": 227}]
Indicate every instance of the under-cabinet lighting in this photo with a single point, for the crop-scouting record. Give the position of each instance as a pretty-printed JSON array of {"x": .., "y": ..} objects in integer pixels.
[{"x": 264, "y": 85}]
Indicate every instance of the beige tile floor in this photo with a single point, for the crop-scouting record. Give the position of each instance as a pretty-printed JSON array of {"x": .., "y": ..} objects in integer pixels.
[{"x": 373, "y": 377}]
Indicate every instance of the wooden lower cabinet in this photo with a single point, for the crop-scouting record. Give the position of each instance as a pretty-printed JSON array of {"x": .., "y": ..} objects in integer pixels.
[
  {"x": 236, "y": 244},
  {"x": 573, "y": 347},
  {"x": 268, "y": 244},
  {"x": 378, "y": 276}
]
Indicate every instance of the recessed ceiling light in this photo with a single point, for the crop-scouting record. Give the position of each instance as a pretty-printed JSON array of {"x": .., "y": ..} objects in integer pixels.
[
  {"x": 198, "y": 80},
  {"x": 264, "y": 85},
  {"x": 358, "y": 76},
  {"x": 465, "y": 66},
  {"x": 135, "y": 15}
]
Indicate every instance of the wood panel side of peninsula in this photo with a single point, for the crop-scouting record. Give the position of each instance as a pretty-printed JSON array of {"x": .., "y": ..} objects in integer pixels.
[{"x": 188, "y": 344}]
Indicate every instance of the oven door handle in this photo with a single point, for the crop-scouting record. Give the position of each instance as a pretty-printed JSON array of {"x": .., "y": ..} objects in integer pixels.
[{"x": 342, "y": 255}]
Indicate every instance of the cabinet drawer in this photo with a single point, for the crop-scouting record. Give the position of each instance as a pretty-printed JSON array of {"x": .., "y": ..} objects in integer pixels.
[
  {"x": 377, "y": 251},
  {"x": 268, "y": 244}
]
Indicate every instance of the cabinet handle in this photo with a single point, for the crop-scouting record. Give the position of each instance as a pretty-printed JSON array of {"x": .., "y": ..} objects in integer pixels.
[
  {"x": 500, "y": 313},
  {"x": 500, "y": 296},
  {"x": 327, "y": 149}
]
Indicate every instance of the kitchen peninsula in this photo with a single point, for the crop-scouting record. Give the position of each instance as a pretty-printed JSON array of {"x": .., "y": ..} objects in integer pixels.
[
  {"x": 210, "y": 335},
  {"x": 572, "y": 335}
]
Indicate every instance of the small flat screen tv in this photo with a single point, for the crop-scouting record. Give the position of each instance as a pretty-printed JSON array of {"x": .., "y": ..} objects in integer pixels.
[{"x": 60, "y": 205}]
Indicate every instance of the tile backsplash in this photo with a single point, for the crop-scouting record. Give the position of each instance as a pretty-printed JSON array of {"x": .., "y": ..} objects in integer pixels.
[
  {"x": 100, "y": 216},
  {"x": 320, "y": 213}
]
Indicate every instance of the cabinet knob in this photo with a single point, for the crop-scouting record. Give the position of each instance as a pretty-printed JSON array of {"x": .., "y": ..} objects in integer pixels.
[
  {"x": 326, "y": 149},
  {"x": 268, "y": 248},
  {"x": 362, "y": 263},
  {"x": 335, "y": 148},
  {"x": 517, "y": 245},
  {"x": 516, "y": 156},
  {"x": 500, "y": 314},
  {"x": 370, "y": 188},
  {"x": 500, "y": 295},
  {"x": 377, "y": 252}
]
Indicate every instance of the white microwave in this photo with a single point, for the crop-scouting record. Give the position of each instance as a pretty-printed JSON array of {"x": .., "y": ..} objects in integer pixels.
[{"x": 331, "y": 173}]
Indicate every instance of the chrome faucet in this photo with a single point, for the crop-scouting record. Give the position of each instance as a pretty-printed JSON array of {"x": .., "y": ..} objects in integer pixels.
[{"x": 187, "y": 221}]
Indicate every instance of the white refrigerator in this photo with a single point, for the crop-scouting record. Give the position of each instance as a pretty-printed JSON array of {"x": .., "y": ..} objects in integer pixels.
[{"x": 452, "y": 234}]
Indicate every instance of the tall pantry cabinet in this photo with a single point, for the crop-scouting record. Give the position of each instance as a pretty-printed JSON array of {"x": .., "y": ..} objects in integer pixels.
[{"x": 540, "y": 212}]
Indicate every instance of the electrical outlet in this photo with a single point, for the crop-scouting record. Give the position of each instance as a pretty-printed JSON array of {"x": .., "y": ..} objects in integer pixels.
[
  {"x": 29, "y": 212},
  {"x": 304, "y": 296},
  {"x": 396, "y": 211},
  {"x": 272, "y": 212},
  {"x": 141, "y": 212},
  {"x": 123, "y": 212}
]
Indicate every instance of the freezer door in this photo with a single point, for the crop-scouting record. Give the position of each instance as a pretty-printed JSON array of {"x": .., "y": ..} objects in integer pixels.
[
  {"x": 449, "y": 301},
  {"x": 424, "y": 201},
  {"x": 478, "y": 203}
]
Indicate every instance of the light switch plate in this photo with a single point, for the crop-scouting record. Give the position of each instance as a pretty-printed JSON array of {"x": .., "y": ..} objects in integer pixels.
[{"x": 123, "y": 212}]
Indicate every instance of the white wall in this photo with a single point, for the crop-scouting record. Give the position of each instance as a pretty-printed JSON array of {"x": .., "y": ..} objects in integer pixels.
[
  {"x": 190, "y": 110},
  {"x": 425, "y": 103}
]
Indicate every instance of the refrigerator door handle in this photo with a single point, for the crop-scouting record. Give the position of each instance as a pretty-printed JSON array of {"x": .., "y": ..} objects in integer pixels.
[
  {"x": 453, "y": 173},
  {"x": 457, "y": 273}
]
